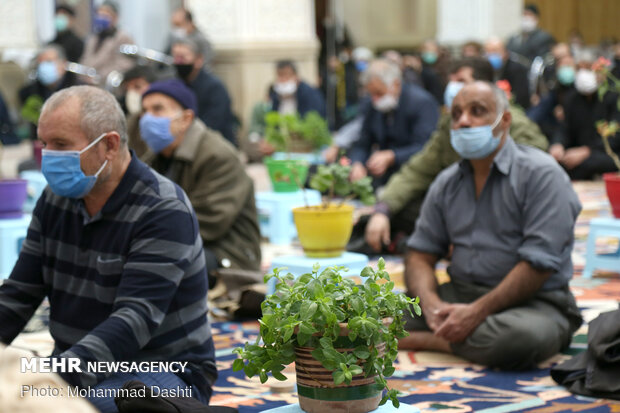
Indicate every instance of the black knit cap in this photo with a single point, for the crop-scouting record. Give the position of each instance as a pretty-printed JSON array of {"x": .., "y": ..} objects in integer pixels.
[{"x": 177, "y": 90}]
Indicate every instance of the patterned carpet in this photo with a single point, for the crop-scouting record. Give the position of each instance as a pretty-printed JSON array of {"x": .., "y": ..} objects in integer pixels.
[
  {"x": 438, "y": 382},
  {"x": 430, "y": 381}
]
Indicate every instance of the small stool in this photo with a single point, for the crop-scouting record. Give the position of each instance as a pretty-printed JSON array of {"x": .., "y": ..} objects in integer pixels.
[
  {"x": 12, "y": 235},
  {"x": 275, "y": 213},
  {"x": 313, "y": 158},
  {"x": 602, "y": 227},
  {"x": 300, "y": 264},
  {"x": 386, "y": 408},
  {"x": 36, "y": 185}
]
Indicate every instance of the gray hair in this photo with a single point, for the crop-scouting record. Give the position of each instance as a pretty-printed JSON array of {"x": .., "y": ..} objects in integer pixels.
[
  {"x": 60, "y": 52},
  {"x": 192, "y": 44},
  {"x": 382, "y": 69},
  {"x": 99, "y": 111}
]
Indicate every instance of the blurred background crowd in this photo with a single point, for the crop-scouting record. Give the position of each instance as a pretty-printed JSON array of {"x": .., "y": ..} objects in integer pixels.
[{"x": 244, "y": 59}]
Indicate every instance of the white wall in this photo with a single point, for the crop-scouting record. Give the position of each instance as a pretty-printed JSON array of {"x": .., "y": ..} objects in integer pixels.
[{"x": 461, "y": 20}]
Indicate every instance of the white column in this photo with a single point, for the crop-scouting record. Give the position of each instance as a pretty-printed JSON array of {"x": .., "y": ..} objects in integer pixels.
[
  {"x": 18, "y": 26},
  {"x": 459, "y": 21},
  {"x": 249, "y": 36}
]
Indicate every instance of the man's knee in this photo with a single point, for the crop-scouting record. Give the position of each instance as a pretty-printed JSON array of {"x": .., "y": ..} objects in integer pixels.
[{"x": 510, "y": 347}]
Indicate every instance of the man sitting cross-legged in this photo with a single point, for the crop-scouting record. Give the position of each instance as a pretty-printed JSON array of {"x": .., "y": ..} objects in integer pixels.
[{"x": 507, "y": 214}]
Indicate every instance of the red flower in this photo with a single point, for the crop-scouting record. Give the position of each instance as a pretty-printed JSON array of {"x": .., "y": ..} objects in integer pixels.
[
  {"x": 505, "y": 86},
  {"x": 601, "y": 64}
]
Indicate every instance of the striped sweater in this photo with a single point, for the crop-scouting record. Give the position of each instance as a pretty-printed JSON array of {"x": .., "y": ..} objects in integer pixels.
[{"x": 128, "y": 284}]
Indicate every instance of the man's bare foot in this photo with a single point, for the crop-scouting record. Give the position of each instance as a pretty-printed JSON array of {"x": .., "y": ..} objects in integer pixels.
[{"x": 424, "y": 340}]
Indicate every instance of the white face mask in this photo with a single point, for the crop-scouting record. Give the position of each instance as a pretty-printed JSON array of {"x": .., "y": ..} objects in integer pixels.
[
  {"x": 585, "y": 81},
  {"x": 287, "y": 88},
  {"x": 179, "y": 32},
  {"x": 385, "y": 103},
  {"x": 528, "y": 24},
  {"x": 133, "y": 101}
]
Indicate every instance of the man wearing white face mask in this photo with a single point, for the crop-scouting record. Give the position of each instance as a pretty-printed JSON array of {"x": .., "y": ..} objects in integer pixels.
[
  {"x": 532, "y": 41},
  {"x": 290, "y": 94},
  {"x": 401, "y": 120},
  {"x": 506, "y": 214},
  {"x": 576, "y": 145},
  {"x": 135, "y": 82}
]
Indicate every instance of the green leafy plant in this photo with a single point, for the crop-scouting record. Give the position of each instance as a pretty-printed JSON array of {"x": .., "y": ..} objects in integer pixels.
[
  {"x": 333, "y": 180},
  {"x": 609, "y": 83},
  {"x": 281, "y": 131},
  {"x": 308, "y": 311}
]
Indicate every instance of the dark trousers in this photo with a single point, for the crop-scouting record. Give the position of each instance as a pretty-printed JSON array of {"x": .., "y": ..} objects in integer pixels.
[
  {"x": 598, "y": 163},
  {"x": 516, "y": 338}
]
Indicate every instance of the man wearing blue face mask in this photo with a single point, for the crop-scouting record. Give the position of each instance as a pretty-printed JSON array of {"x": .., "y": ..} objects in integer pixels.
[
  {"x": 52, "y": 76},
  {"x": 102, "y": 47},
  {"x": 398, "y": 124},
  {"x": 116, "y": 249},
  {"x": 505, "y": 214},
  {"x": 399, "y": 204},
  {"x": 208, "y": 169},
  {"x": 506, "y": 68}
]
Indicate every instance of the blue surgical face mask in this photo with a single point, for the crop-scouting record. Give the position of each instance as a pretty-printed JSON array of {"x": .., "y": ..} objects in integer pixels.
[
  {"x": 63, "y": 172},
  {"x": 451, "y": 90},
  {"x": 361, "y": 65},
  {"x": 496, "y": 60},
  {"x": 475, "y": 143},
  {"x": 47, "y": 73},
  {"x": 101, "y": 23},
  {"x": 155, "y": 131},
  {"x": 429, "y": 57},
  {"x": 566, "y": 75}
]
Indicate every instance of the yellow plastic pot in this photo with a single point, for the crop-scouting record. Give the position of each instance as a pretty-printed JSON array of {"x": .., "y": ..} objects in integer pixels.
[{"x": 324, "y": 232}]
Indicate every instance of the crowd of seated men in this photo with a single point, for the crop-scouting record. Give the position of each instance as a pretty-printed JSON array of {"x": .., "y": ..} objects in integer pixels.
[{"x": 149, "y": 202}]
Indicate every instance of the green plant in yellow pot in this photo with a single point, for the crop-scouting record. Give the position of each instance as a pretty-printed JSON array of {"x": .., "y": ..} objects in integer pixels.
[{"x": 324, "y": 230}]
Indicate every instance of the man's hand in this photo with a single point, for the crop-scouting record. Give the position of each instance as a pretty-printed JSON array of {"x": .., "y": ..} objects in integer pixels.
[
  {"x": 573, "y": 157},
  {"x": 357, "y": 172},
  {"x": 434, "y": 316},
  {"x": 557, "y": 151},
  {"x": 331, "y": 154},
  {"x": 377, "y": 231},
  {"x": 460, "y": 320},
  {"x": 380, "y": 161},
  {"x": 265, "y": 148}
]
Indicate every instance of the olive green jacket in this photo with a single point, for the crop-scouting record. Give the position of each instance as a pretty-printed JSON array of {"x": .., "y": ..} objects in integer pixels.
[
  {"x": 415, "y": 177},
  {"x": 210, "y": 172}
]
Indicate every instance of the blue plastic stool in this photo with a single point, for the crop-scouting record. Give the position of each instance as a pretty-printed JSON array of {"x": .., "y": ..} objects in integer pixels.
[
  {"x": 602, "y": 227},
  {"x": 275, "y": 215},
  {"x": 313, "y": 158},
  {"x": 36, "y": 185},
  {"x": 12, "y": 235},
  {"x": 386, "y": 408},
  {"x": 300, "y": 264}
]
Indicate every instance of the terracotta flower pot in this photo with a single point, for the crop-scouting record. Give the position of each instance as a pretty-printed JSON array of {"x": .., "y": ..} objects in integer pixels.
[
  {"x": 612, "y": 184},
  {"x": 324, "y": 232},
  {"x": 317, "y": 391}
]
